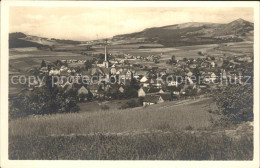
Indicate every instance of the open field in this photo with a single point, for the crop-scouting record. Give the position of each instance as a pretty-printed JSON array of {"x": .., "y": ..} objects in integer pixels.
[
  {"x": 168, "y": 131},
  {"x": 25, "y": 59},
  {"x": 95, "y": 106},
  {"x": 28, "y": 59},
  {"x": 168, "y": 115},
  {"x": 163, "y": 146}
]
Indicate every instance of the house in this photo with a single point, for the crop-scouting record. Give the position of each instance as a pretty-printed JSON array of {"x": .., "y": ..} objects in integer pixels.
[
  {"x": 213, "y": 64},
  {"x": 146, "y": 84},
  {"x": 190, "y": 81},
  {"x": 44, "y": 70},
  {"x": 158, "y": 84},
  {"x": 173, "y": 83},
  {"x": 189, "y": 73},
  {"x": 213, "y": 76},
  {"x": 94, "y": 89},
  {"x": 63, "y": 68},
  {"x": 205, "y": 64},
  {"x": 143, "y": 79},
  {"x": 113, "y": 70},
  {"x": 152, "y": 99},
  {"x": 68, "y": 87},
  {"x": 141, "y": 92},
  {"x": 166, "y": 96},
  {"x": 128, "y": 74},
  {"x": 54, "y": 72},
  {"x": 152, "y": 90},
  {"x": 121, "y": 89},
  {"x": 192, "y": 66},
  {"x": 175, "y": 89},
  {"x": 161, "y": 91},
  {"x": 82, "y": 90}
]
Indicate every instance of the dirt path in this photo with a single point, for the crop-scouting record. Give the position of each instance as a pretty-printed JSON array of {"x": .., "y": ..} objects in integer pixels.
[{"x": 185, "y": 102}]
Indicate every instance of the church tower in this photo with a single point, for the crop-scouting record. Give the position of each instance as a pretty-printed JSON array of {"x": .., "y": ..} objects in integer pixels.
[{"x": 105, "y": 63}]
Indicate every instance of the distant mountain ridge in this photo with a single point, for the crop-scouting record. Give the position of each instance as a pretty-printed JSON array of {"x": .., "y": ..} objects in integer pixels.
[
  {"x": 193, "y": 33},
  {"x": 21, "y": 40}
]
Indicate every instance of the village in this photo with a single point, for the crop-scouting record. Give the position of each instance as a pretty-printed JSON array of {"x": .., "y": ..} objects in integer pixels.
[{"x": 115, "y": 77}]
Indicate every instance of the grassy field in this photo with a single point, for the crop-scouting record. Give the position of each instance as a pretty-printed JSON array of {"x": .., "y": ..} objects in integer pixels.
[
  {"x": 166, "y": 116},
  {"x": 95, "y": 106},
  {"x": 159, "y": 146},
  {"x": 27, "y": 59},
  {"x": 178, "y": 130}
]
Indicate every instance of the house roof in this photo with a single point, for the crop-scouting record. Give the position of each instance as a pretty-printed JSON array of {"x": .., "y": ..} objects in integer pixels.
[
  {"x": 174, "y": 88},
  {"x": 83, "y": 90},
  {"x": 44, "y": 68},
  {"x": 68, "y": 86},
  {"x": 105, "y": 70},
  {"x": 165, "y": 96},
  {"x": 153, "y": 90}
]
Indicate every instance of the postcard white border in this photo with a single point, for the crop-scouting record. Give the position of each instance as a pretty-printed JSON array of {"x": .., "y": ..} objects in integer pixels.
[{"x": 5, "y": 163}]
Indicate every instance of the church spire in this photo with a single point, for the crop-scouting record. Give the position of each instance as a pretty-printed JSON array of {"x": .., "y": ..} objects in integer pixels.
[
  {"x": 105, "y": 63},
  {"x": 106, "y": 50}
]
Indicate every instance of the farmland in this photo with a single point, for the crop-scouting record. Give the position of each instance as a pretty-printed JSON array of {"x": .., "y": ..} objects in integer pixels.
[
  {"x": 179, "y": 130},
  {"x": 27, "y": 58}
]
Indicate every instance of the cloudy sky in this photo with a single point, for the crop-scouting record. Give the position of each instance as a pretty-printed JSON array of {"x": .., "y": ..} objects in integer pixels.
[{"x": 85, "y": 23}]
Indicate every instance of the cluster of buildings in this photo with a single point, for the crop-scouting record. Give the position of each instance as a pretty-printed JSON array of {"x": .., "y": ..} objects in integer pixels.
[{"x": 187, "y": 77}]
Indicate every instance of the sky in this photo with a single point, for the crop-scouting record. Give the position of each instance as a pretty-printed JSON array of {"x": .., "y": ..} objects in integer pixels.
[{"x": 89, "y": 23}]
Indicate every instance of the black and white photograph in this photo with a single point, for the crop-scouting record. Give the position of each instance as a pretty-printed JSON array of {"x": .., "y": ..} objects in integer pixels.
[{"x": 116, "y": 82}]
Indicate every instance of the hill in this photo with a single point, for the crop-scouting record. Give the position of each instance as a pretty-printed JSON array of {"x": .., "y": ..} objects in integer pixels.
[
  {"x": 21, "y": 40},
  {"x": 17, "y": 40},
  {"x": 192, "y": 33}
]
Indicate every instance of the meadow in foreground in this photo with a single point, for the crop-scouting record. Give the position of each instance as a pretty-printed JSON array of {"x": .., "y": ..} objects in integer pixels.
[{"x": 165, "y": 131}]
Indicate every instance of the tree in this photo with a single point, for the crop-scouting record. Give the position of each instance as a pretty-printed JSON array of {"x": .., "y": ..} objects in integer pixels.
[
  {"x": 58, "y": 63},
  {"x": 130, "y": 104},
  {"x": 134, "y": 84},
  {"x": 43, "y": 64},
  {"x": 235, "y": 103},
  {"x": 172, "y": 60},
  {"x": 197, "y": 74},
  {"x": 141, "y": 101},
  {"x": 90, "y": 96},
  {"x": 88, "y": 65},
  {"x": 200, "y": 53},
  {"x": 130, "y": 92},
  {"x": 45, "y": 100}
]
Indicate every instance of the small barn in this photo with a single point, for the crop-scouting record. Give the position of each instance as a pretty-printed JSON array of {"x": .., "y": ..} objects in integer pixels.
[{"x": 152, "y": 99}]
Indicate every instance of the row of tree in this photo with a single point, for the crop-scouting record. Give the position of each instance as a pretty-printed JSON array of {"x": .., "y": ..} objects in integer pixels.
[{"x": 44, "y": 100}]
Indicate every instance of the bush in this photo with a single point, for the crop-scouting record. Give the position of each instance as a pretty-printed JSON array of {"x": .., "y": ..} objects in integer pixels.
[
  {"x": 200, "y": 53},
  {"x": 130, "y": 104},
  {"x": 235, "y": 103},
  {"x": 141, "y": 101},
  {"x": 104, "y": 107},
  {"x": 75, "y": 109},
  {"x": 45, "y": 100}
]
